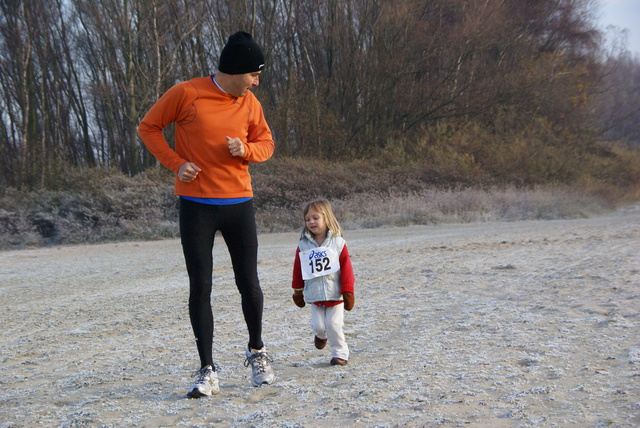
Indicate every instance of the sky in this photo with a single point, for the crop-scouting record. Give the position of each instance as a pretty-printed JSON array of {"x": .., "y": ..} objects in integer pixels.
[{"x": 623, "y": 14}]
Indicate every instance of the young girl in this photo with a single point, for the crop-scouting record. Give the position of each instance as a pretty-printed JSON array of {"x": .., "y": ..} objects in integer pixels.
[{"x": 323, "y": 277}]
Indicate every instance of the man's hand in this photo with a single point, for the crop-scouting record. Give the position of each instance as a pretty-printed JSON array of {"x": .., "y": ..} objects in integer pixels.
[
  {"x": 188, "y": 172},
  {"x": 236, "y": 147}
]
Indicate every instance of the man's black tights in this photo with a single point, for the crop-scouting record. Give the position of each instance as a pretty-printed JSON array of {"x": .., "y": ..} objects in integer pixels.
[{"x": 198, "y": 226}]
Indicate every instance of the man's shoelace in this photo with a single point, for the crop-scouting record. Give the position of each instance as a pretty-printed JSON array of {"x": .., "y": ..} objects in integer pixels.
[
  {"x": 260, "y": 359},
  {"x": 204, "y": 373}
]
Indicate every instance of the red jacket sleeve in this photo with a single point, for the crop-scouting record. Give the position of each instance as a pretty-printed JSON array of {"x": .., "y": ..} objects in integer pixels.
[
  {"x": 297, "y": 282},
  {"x": 347, "y": 279}
]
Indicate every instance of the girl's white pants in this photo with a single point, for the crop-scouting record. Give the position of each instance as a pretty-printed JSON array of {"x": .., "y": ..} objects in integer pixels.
[{"x": 327, "y": 323}]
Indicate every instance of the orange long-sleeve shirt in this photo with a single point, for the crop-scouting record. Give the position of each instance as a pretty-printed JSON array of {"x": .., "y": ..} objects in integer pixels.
[{"x": 204, "y": 116}]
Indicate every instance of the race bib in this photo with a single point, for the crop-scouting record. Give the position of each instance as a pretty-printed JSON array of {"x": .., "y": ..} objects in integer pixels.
[{"x": 319, "y": 261}]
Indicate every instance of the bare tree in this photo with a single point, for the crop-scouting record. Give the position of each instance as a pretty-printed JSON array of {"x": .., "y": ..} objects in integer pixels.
[
  {"x": 343, "y": 78},
  {"x": 618, "y": 104}
]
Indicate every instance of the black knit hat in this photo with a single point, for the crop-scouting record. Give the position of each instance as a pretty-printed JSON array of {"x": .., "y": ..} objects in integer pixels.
[{"x": 241, "y": 55}]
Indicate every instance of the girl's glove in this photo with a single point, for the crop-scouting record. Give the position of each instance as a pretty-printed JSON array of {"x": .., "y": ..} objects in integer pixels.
[
  {"x": 349, "y": 300},
  {"x": 298, "y": 299}
]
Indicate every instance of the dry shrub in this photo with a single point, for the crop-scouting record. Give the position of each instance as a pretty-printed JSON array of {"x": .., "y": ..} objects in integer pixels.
[
  {"x": 95, "y": 205},
  {"x": 510, "y": 151},
  {"x": 443, "y": 180},
  {"x": 433, "y": 206},
  {"x": 397, "y": 196}
]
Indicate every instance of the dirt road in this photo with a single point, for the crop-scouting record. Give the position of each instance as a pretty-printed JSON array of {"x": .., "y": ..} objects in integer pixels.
[{"x": 531, "y": 323}]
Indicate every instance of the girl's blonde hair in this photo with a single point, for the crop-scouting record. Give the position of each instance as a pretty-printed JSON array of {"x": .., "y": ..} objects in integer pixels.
[{"x": 323, "y": 207}]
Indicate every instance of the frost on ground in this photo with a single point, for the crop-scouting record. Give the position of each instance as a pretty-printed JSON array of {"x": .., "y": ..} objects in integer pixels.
[{"x": 488, "y": 324}]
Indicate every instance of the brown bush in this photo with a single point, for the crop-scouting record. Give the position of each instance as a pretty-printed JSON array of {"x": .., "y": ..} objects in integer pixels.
[{"x": 464, "y": 176}]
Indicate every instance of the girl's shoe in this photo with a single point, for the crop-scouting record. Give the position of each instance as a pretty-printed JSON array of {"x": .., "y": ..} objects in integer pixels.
[
  {"x": 320, "y": 343},
  {"x": 335, "y": 361}
]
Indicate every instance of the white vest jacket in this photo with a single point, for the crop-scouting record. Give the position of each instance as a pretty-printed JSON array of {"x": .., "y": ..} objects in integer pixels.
[{"x": 327, "y": 287}]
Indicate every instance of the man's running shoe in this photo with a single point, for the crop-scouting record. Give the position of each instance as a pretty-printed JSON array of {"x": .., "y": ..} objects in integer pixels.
[
  {"x": 261, "y": 369},
  {"x": 206, "y": 383}
]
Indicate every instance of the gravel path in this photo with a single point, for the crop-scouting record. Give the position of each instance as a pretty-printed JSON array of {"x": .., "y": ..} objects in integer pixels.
[{"x": 517, "y": 324}]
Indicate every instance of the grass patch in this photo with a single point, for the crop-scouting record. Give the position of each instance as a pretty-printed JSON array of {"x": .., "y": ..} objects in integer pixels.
[{"x": 102, "y": 205}]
